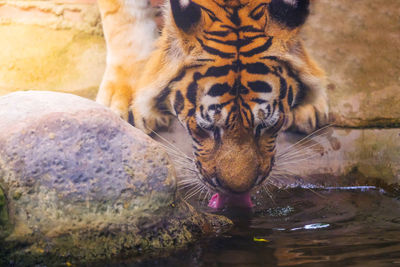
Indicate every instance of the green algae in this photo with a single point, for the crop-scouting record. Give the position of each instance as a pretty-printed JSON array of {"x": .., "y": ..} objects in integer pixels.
[
  {"x": 116, "y": 241},
  {"x": 4, "y": 228},
  {"x": 4, "y": 220}
]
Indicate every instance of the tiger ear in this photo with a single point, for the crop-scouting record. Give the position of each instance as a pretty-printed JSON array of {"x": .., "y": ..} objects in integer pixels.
[
  {"x": 186, "y": 14},
  {"x": 291, "y": 13}
]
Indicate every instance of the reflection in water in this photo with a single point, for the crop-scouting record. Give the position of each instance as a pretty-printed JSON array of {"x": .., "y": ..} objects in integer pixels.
[{"x": 334, "y": 227}]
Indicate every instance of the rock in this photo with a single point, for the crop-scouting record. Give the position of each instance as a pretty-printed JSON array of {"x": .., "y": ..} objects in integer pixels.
[
  {"x": 359, "y": 47},
  {"x": 343, "y": 157},
  {"x": 48, "y": 45},
  {"x": 82, "y": 185}
]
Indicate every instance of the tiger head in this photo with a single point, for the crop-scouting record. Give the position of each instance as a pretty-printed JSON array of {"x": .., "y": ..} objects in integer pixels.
[{"x": 237, "y": 68}]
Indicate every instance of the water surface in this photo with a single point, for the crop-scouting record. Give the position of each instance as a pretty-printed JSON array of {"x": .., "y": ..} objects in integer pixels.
[{"x": 299, "y": 227}]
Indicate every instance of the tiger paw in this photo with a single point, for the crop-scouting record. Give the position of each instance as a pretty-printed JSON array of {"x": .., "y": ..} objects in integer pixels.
[
  {"x": 116, "y": 97},
  {"x": 309, "y": 117},
  {"x": 148, "y": 124}
]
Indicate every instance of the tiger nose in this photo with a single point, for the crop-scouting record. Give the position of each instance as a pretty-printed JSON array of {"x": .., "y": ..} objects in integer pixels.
[{"x": 238, "y": 182}]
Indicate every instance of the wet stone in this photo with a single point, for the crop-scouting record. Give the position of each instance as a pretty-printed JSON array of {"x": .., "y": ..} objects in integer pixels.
[{"x": 83, "y": 185}]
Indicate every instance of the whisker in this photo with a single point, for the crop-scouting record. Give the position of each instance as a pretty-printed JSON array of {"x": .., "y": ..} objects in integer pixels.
[
  {"x": 307, "y": 138},
  {"x": 185, "y": 186},
  {"x": 269, "y": 194},
  {"x": 176, "y": 153},
  {"x": 302, "y": 149},
  {"x": 186, "y": 168},
  {"x": 172, "y": 146},
  {"x": 294, "y": 162},
  {"x": 316, "y": 193},
  {"x": 299, "y": 150},
  {"x": 311, "y": 148},
  {"x": 196, "y": 190},
  {"x": 188, "y": 179}
]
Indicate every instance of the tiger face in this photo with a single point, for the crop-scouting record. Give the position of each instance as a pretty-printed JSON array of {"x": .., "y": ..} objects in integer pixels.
[
  {"x": 235, "y": 74},
  {"x": 236, "y": 93}
]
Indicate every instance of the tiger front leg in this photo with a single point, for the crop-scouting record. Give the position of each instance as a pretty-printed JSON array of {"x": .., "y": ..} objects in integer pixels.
[
  {"x": 130, "y": 33},
  {"x": 115, "y": 92},
  {"x": 311, "y": 111}
]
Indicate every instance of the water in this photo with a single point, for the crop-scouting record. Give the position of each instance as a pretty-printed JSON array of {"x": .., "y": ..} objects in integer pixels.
[{"x": 332, "y": 227}]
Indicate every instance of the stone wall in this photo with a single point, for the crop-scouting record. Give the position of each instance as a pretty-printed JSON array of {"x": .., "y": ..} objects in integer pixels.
[
  {"x": 358, "y": 44},
  {"x": 51, "y": 45}
]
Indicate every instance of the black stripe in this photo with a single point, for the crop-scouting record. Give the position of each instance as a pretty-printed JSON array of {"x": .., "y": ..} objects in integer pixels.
[
  {"x": 274, "y": 106},
  {"x": 260, "y": 87},
  {"x": 231, "y": 113},
  {"x": 225, "y": 42},
  {"x": 257, "y": 68},
  {"x": 217, "y": 134},
  {"x": 178, "y": 77},
  {"x": 250, "y": 28},
  {"x": 258, "y": 130},
  {"x": 191, "y": 93},
  {"x": 244, "y": 112},
  {"x": 219, "y": 106},
  {"x": 191, "y": 112},
  {"x": 161, "y": 104},
  {"x": 234, "y": 17},
  {"x": 281, "y": 107},
  {"x": 271, "y": 58},
  {"x": 210, "y": 13},
  {"x": 179, "y": 103},
  {"x": 193, "y": 66},
  {"x": 236, "y": 43},
  {"x": 278, "y": 69},
  {"x": 290, "y": 96},
  {"x": 257, "y": 12},
  {"x": 258, "y": 50},
  {"x": 283, "y": 88},
  {"x": 301, "y": 88},
  {"x": 246, "y": 106},
  {"x": 214, "y": 51},
  {"x": 268, "y": 110},
  {"x": 219, "y": 89},
  {"x": 219, "y": 71},
  {"x": 131, "y": 118},
  {"x": 218, "y": 33},
  {"x": 258, "y": 101},
  {"x": 205, "y": 60}
]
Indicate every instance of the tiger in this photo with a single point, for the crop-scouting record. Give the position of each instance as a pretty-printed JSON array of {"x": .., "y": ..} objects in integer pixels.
[{"x": 234, "y": 73}]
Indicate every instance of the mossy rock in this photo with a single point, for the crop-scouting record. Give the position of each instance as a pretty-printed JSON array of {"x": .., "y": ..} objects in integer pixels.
[{"x": 84, "y": 186}]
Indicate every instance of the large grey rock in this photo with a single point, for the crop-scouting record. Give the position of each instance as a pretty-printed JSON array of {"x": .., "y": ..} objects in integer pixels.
[
  {"x": 358, "y": 44},
  {"x": 84, "y": 185}
]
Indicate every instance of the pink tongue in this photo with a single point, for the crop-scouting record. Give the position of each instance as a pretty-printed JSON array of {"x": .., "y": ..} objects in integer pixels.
[{"x": 218, "y": 201}]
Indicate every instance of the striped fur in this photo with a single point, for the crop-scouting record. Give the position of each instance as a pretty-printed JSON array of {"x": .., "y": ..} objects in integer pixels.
[{"x": 235, "y": 75}]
